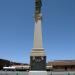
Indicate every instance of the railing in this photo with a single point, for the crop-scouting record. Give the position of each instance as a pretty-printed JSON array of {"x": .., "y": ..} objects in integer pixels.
[{"x": 26, "y": 73}]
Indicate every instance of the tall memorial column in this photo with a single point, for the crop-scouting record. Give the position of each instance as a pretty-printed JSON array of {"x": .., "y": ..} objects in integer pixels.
[{"x": 37, "y": 56}]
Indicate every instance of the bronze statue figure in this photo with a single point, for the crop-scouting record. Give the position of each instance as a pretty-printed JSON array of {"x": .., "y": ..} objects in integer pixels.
[{"x": 38, "y": 5}]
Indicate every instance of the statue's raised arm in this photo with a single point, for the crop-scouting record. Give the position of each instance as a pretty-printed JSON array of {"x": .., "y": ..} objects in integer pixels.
[{"x": 38, "y": 5}]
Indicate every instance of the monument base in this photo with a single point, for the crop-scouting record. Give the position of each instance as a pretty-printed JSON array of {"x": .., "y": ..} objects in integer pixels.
[{"x": 37, "y": 72}]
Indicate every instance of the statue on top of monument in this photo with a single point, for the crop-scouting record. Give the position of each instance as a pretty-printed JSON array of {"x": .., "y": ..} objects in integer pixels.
[{"x": 38, "y": 5}]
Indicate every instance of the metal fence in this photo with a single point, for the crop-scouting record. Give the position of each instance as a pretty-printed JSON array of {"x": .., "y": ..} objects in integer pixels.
[
  {"x": 61, "y": 73},
  {"x": 13, "y": 73},
  {"x": 26, "y": 73}
]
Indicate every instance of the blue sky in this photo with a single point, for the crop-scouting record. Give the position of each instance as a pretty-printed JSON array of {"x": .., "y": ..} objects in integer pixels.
[{"x": 17, "y": 29}]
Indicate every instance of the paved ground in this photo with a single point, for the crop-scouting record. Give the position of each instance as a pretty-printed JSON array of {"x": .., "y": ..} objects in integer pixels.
[{"x": 26, "y": 73}]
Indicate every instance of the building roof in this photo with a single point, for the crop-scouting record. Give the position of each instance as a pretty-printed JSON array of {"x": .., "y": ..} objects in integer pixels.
[{"x": 62, "y": 63}]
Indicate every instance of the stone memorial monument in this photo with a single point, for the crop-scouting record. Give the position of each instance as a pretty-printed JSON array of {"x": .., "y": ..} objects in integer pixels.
[{"x": 37, "y": 56}]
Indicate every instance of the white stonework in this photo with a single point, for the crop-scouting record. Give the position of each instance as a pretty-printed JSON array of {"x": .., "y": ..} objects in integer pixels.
[
  {"x": 38, "y": 52},
  {"x": 38, "y": 35},
  {"x": 38, "y": 49},
  {"x": 37, "y": 72}
]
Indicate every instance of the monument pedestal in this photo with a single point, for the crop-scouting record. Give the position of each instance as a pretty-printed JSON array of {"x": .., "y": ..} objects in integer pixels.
[
  {"x": 38, "y": 60},
  {"x": 37, "y": 72}
]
